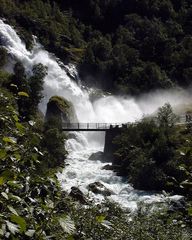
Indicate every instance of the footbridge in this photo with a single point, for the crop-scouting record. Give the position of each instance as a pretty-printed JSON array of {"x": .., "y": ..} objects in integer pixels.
[
  {"x": 91, "y": 126},
  {"x": 182, "y": 120}
]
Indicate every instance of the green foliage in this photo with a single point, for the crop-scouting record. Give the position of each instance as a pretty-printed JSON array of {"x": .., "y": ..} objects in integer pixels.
[
  {"x": 3, "y": 56},
  {"x": 23, "y": 94},
  {"x": 150, "y": 153},
  {"x": 127, "y": 46},
  {"x": 29, "y": 89},
  {"x": 55, "y": 149},
  {"x": 165, "y": 117},
  {"x": 149, "y": 49},
  {"x": 29, "y": 189},
  {"x": 108, "y": 221},
  {"x": 36, "y": 86},
  {"x": 62, "y": 103},
  {"x": 54, "y": 28},
  {"x": 5, "y": 78}
]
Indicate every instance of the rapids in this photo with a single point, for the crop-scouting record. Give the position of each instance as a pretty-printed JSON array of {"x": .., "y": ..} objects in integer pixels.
[
  {"x": 81, "y": 172},
  {"x": 107, "y": 109}
]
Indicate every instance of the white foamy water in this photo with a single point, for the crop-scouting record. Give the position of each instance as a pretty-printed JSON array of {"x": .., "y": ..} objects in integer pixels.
[
  {"x": 81, "y": 172},
  {"x": 111, "y": 109}
]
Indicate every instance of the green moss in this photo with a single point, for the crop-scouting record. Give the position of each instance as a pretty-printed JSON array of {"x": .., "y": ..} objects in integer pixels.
[
  {"x": 61, "y": 103},
  {"x": 60, "y": 110}
]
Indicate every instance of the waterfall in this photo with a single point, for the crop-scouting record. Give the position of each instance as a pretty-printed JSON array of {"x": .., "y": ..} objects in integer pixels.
[{"x": 107, "y": 109}]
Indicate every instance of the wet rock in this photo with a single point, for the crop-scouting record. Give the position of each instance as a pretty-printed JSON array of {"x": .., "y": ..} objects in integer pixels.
[
  {"x": 96, "y": 156},
  {"x": 108, "y": 167},
  {"x": 99, "y": 188},
  {"x": 178, "y": 205},
  {"x": 114, "y": 168},
  {"x": 96, "y": 94},
  {"x": 78, "y": 195},
  {"x": 72, "y": 135},
  {"x": 60, "y": 110},
  {"x": 71, "y": 72}
]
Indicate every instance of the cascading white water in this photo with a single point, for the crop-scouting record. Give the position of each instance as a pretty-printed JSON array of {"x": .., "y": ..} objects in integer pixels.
[{"x": 111, "y": 109}]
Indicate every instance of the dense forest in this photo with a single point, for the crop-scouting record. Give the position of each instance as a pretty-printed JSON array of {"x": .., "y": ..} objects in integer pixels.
[
  {"x": 120, "y": 46},
  {"x": 126, "y": 47}
]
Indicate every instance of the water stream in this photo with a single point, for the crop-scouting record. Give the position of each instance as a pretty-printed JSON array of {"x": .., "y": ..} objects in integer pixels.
[{"x": 79, "y": 170}]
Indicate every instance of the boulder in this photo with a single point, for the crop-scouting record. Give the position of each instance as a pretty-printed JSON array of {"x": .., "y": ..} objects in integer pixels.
[
  {"x": 99, "y": 188},
  {"x": 108, "y": 167},
  {"x": 96, "y": 156},
  {"x": 114, "y": 168},
  {"x": 72, "y": 135},
  {"x": 178, "y": 205},
  {"x": 60, "y": 110},
  {"x": 78, "y": 195}
]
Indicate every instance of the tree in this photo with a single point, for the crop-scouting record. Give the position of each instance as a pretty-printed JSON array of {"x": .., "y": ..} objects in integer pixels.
[
  {"x": 20, "y": 78},
  {"x": 22, "y": 86},
  {"x": 36, "y": 85},
  {"x": 31, "y": 87},
  {"x": 165, "y": 116}
]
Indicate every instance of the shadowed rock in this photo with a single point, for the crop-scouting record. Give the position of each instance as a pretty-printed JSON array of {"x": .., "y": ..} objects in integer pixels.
[
  {"x": 114, "y": 168},
  {"x": 96, "y": 156},
  {"x": 60, "y": 110},
  {"x": 178, "y": 205},
  {"x": 99, "y": 188},
  {"x": 78, "y": 195}
]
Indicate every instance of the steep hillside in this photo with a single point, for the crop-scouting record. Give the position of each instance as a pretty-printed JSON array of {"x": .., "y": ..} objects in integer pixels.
[{"x": 121, "y": 46}]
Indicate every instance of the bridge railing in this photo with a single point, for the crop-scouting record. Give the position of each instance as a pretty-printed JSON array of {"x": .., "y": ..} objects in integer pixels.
[
  {"x": 90, "y": 125},
  {"x": 183, "y": 119}
]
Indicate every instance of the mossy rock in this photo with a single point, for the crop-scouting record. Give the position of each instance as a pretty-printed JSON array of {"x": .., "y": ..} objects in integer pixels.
[{"x": 61, "y": 109}]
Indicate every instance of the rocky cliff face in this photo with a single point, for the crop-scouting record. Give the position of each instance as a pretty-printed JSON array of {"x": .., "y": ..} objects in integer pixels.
[{"x": 61, "y": 110}]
